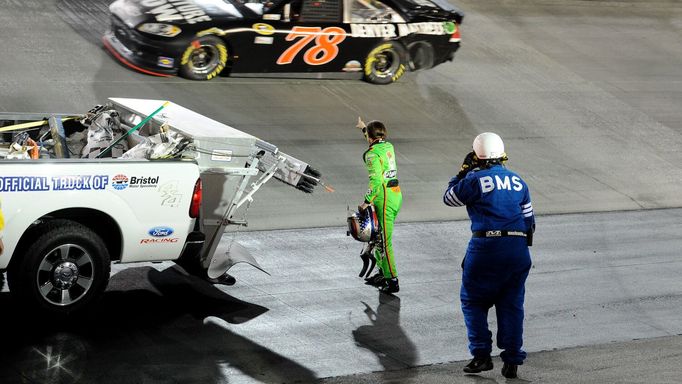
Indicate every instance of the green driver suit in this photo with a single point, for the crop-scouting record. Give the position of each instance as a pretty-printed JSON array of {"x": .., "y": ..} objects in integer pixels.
[{"x": 384, "y": 193}]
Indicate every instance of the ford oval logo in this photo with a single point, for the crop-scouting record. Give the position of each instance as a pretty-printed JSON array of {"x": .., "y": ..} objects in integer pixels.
[{"x": 161, "y": 231}]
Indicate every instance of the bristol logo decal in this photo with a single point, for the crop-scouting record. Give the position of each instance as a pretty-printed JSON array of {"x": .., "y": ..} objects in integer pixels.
[
  {"x": 161, "y": 231},
  {"x": 119, "y": 182}
]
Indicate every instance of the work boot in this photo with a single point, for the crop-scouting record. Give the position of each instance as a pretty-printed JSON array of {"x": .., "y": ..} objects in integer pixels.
[
  {"x": 376, "y": 281},
  {"x": 479, "y": 364},
  {"x": 390, "y": 286},
  {"x": 509, "y": 371}
]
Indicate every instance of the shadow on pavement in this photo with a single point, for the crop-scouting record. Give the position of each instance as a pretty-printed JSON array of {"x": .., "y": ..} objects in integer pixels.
[
  {"x": 150, "y": 327},
  {"x": 385, "y": 338}
]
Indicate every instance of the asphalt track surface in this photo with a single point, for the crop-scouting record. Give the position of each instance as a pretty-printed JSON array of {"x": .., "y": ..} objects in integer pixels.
[{"x": 586, "y": 95}]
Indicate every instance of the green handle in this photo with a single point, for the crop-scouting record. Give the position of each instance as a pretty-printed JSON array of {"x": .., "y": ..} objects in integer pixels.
[{"x": 131, "y": 130}]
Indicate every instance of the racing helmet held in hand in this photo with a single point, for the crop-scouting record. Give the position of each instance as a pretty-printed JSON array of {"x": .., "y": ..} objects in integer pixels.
[
  {"x": 363, "y": 225},
  {"x": 489, "y": 146}
]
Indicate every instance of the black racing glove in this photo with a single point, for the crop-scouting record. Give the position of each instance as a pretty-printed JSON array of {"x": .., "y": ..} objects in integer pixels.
[{"x": 468, "y": 164}]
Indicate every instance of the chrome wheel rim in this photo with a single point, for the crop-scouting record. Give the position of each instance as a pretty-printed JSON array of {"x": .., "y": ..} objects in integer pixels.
[
  {"x": 386, "y": 63},
  {"x": 204, "y": 58},
  {"x": 65, "y": 274}
]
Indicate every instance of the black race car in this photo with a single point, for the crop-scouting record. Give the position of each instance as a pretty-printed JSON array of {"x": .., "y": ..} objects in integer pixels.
[{"x": 199, "y": 39}]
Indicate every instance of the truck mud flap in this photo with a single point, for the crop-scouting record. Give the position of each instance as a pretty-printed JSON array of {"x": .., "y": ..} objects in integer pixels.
[{"x": 228, "y": 254}]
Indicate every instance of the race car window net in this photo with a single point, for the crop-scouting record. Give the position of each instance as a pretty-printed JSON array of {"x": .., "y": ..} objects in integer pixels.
[
  {"x": 372, "y": 11},
  {"x": 443, "y": 4},
  {"x": 321, "y": 11},
  {"x": 423, "y": 3}
]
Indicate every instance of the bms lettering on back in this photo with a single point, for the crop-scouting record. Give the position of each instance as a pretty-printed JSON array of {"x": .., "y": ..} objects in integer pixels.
[{"x": 496, "y": 199}]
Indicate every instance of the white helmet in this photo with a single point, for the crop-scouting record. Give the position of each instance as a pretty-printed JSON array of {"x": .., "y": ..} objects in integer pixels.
[
  {"x": 363, "y": 225},
  {"x": 488, "y": 146}
]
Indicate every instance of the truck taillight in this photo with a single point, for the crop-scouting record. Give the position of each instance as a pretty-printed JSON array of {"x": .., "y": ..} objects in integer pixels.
[{"x": 196, "y": 200}]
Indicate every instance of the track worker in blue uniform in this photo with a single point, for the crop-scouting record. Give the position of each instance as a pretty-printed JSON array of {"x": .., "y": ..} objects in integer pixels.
[
  {"x": 384, "y": 193},
  {"x": 497, "y": 260}
]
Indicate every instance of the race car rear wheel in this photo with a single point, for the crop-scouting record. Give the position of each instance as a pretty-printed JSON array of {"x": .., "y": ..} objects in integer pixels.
[
  {"x": 204, "y": 58},
  {"x": 384, "y": 64},
  {"x": 421, "y": 55},
  {"x": 64, "y": 268}
]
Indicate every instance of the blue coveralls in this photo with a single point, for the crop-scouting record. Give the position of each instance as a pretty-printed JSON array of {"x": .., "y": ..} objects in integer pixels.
[{"x": 494, "y": 268}]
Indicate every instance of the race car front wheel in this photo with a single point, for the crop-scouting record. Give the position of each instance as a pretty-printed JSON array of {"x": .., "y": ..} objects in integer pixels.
[
  {"x": 63, "y": 269},
  {"x": 204, "y": 58},
  {"x": 384, "y": 64}
]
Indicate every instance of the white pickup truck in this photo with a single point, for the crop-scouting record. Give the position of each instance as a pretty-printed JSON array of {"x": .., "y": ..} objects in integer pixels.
[{"x": 177, "y": 182}]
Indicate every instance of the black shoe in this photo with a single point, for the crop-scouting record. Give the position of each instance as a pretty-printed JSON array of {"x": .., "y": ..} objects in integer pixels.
[
  {"x": 225, "y": 279},
  {"x": 390, "y": 286},
  {"x": 376, "y": 280},
  {"x": 479, "y": 364},
  {"x": 509, "y": 371}
]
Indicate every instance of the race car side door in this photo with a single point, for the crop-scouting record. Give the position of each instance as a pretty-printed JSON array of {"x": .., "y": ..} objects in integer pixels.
[{"x": 305, "y": 36}]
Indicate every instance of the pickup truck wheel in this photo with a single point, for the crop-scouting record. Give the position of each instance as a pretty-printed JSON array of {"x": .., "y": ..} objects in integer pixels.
[
  {"x": 384, "y": 63},
  {"x": 63, "y": 270},
  {"x": 204, "y": 58}
]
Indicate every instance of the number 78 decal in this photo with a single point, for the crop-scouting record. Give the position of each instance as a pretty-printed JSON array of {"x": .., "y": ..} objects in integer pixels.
[{"x": 325, "y": 49}]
